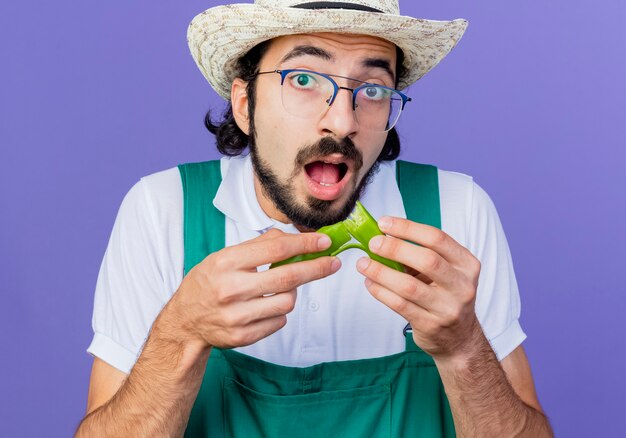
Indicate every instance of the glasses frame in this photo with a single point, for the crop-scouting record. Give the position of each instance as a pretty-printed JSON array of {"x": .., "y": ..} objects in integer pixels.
[{"x": 336, "y": 87}]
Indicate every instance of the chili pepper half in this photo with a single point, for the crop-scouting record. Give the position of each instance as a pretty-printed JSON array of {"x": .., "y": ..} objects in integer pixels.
[
  {"x": 360, "y": 225},
  {"x": 363, "y": 227},
  {"x": 338, "y": 234}
]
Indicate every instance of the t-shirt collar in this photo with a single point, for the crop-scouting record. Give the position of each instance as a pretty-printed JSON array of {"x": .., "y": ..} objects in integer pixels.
[{"x": 236, "y": 197}]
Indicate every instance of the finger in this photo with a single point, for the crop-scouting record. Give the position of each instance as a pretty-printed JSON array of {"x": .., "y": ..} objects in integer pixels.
[
  {"x": 269, "y": 234},
  {"x": 243, "y": 286},
  {"x": 260, "y": 317},
  {"x": 255, "y": 331},
  {"x": 288, "y": 277},
  {"x": 403, "y": 285},
  {"x": 417, "y": 274},
  {"x": 263, "y": 307},
  {"x": 274, "y": 249},
  {"x": 403, "y": 307},
  {"x": 427, "y": 236},
  {"x": 424, "y": 260},
  {"x": 266, "y": 327}
]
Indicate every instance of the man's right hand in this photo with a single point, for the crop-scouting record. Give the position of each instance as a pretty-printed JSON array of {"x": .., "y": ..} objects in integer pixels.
[{"x": 225, "y": 302}]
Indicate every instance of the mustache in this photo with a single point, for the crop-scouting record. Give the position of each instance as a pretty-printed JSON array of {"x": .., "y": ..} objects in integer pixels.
[{"x": 327, "y": 146}]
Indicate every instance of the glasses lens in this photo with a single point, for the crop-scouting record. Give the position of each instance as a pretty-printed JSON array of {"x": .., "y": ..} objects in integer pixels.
[
  {"x": 377, "y": 108},
  {"x": 306, "y": 94}
]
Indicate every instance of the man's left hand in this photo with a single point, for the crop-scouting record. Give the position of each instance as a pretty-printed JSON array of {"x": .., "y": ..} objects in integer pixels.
[{"x": 437, "y": 293}]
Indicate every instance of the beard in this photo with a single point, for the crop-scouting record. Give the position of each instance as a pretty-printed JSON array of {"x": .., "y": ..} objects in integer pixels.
[{"x": 313, "y": 213}]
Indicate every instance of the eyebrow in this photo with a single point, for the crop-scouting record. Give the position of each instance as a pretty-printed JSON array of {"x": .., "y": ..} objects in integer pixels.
[
  {"x": 307, "y": 50},
  {"x": 380, "y": 63},
  {"x": 327, "y": 56}
]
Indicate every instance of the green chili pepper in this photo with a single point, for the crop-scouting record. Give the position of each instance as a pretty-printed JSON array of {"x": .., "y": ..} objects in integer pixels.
[
  {"x": 338, "y": 235},
  {"x": 363, "y": 227},
  {"x": 360, "y": 225}
]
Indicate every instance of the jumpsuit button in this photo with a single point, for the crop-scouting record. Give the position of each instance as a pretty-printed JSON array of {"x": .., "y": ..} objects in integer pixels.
[{"x": 313, "y": 306}]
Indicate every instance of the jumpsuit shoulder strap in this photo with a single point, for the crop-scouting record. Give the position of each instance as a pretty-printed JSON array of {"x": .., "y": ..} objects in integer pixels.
[
  {"x": 203, "y": 223},
  {"x": 419, "y": 187}
]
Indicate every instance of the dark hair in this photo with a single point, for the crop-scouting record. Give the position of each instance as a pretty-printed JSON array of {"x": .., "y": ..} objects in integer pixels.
[{"x": 232, "y": 141}]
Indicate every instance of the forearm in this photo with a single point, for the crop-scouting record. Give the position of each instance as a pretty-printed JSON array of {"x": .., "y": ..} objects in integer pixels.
[
  {"x": 157, "y": 397},
  {"x": 483, "y": 402}
]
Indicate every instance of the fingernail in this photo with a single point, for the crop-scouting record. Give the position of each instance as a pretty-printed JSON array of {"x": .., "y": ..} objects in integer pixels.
[
  {"x": 323, "y": 242},
  {"x": 363, "y": 263},
  {"x": 335, "y": 264},
  {"x": 384, "y": 223},
  {"x": 375, "y": 242},
  {"x": 368, "y": 282}
]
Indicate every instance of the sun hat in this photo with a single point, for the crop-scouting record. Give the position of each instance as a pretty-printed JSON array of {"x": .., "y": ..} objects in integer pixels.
[{"x": 218, "y": 36}]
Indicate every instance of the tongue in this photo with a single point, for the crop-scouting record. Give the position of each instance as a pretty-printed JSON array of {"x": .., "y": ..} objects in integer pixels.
[{"x": 324, "y": 173}]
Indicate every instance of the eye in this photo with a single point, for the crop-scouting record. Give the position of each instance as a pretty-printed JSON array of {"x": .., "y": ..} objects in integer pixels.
[
  {"x": 375, "y": 93},
  {"x": 303, "y": 81}
]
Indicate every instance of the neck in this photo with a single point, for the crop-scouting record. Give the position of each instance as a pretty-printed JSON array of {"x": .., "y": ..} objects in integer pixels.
[{"x": 269, "y": 208}]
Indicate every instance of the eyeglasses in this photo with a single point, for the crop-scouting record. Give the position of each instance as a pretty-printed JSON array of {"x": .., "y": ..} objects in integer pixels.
[{"x": 307, "y": 94}]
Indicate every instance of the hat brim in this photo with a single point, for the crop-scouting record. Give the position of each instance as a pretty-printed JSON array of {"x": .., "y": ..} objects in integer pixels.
[{"x": 218, "y": 36}]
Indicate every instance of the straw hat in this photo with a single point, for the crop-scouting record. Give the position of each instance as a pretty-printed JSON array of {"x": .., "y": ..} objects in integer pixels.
[{"x": 219, "y": 36}]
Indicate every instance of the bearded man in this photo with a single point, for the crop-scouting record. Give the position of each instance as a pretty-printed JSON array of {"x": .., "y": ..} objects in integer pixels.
[{"x": 195, "y": 335}]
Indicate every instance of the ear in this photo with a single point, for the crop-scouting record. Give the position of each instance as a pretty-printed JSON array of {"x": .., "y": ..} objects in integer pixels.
[{"x": 239, "y": 102}]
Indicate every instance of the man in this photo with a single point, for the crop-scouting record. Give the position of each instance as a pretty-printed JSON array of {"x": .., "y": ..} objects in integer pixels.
[{"x": 309, "y": 348}]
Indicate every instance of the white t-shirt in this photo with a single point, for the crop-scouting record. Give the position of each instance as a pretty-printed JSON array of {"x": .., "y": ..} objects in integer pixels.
[{"x": 335, "y": 318}]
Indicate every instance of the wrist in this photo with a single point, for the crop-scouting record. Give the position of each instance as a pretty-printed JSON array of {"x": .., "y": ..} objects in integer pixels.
[
  {"x": 175, "y": 328},
  {"x": 474, "y": 348}
]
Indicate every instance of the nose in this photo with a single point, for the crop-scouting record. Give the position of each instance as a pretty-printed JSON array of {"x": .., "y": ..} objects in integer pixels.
[{"x": 339, "y": 119}]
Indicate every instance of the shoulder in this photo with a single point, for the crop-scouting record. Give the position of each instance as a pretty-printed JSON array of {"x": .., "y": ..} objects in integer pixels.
[
  {"x": 455, "y": 182},
  {"x": 460, "y": 197},
  {"x": 466, "y": 208},
  {"x": 452, "y": 185},
  {"x": 162, "y": 192},
  {"x": 456, "y": 192},
  {"x": 151, "y": 220},
  {"x": 153, "y": 201},
  {"x": 163, "y": 187},
  {"x": 459, "y": 188}
]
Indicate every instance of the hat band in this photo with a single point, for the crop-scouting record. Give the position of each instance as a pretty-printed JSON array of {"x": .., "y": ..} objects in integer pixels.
[{"x": 335, "y": 5}]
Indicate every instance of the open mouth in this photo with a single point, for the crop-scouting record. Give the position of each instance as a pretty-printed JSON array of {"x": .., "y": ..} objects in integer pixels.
[
  {"x": 328, "y": 176},
  {"x": 326, "y": 173}
]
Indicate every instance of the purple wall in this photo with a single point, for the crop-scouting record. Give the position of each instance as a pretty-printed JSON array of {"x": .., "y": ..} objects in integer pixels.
[{"x": 531, "y": 103}]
